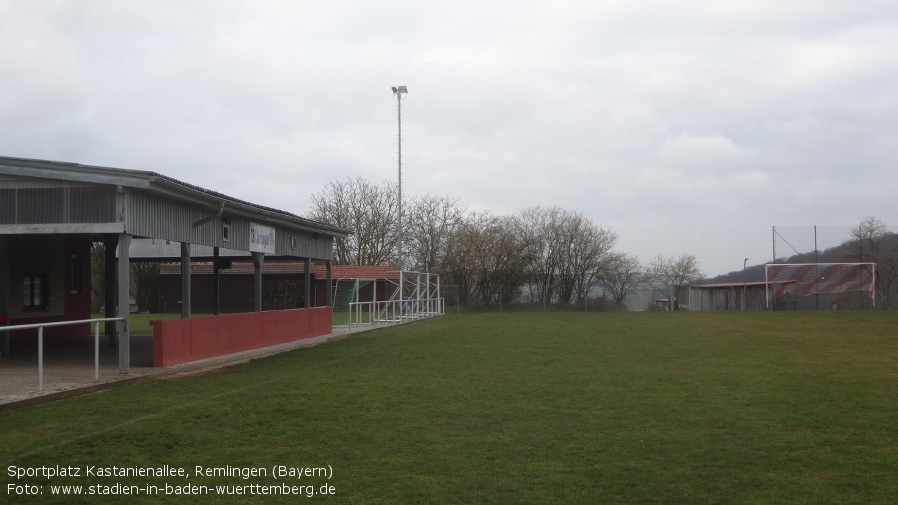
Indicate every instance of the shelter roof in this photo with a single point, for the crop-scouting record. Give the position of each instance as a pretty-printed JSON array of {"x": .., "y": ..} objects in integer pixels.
[{"x": 154, "y": 182}]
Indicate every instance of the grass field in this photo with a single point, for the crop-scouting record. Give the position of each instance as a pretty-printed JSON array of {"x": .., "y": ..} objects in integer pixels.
[{"x": 522, "y": 408}]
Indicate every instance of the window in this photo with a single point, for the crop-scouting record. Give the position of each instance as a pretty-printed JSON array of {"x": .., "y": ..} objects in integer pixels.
[
  {"x": 34, "y": 292},
  {"x": 226, "y": 232},
  {"x": 75, "y": 274}
]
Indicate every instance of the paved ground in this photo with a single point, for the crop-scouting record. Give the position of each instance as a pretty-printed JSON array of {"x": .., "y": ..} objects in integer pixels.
[{"x": 69, "y": 365}]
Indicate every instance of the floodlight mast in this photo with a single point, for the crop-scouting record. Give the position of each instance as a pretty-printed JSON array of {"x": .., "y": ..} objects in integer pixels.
[{"x": 399, "y": 93}]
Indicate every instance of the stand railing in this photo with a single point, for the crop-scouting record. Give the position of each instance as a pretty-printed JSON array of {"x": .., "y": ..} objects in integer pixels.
[
  {"x": 394, "y": 311},
  {"x": 40, "y": 342},
  {"x": 419, "y": 292}
]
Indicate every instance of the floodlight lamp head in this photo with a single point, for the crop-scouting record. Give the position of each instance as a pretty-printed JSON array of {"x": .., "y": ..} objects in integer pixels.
[{"x": 399, "y": 91}]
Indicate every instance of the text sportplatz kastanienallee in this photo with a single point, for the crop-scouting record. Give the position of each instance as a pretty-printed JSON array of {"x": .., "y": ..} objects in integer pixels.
[
  {"x": 51, "y": 471},
  {"x": 277, "y": 471}
]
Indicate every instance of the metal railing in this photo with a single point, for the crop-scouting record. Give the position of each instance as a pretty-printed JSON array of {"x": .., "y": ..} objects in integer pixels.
[
  {"x": 40, "y": 342},
  {"x": 394, "y": 311}
]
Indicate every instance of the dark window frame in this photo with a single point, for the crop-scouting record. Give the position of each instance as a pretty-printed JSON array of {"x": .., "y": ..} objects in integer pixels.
[{"x": 35, "y": 292}]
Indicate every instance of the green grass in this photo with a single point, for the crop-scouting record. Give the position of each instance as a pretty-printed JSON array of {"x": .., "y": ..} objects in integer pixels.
[{"x": 688, "y": 408}]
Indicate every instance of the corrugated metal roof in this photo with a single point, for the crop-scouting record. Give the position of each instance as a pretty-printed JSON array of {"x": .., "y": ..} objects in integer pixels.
[{"x": 141, "y": 179}]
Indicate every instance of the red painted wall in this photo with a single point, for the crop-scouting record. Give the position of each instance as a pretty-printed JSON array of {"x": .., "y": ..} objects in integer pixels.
[{"x": 178, "y": 341}]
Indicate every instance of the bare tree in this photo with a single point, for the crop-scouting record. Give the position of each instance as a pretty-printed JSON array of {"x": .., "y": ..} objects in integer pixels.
[
  {"x": 501, "y": 267},
  {"x": 147, "y": 284},
  {"x": 457, "y": 265},
  {"x": 543, "y": 238},
  {"x": 623, "y": 275},
  {"x": 430, "y": 221},
  {"x": 370, "y": 211},
  {"x": 589, "y": 256},
  {"x": 876, "y": 244},
  {"x": 560, "y": 256},
  {"x": 567, "y": 253},
  {"x": 485, "y": 258},
  {"x": 669, "y": 274}
]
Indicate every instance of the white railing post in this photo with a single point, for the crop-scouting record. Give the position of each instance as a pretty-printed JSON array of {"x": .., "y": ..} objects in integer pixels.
[
  {"x": 97, "y": 351},
  {"x": 40, "y": 359}
]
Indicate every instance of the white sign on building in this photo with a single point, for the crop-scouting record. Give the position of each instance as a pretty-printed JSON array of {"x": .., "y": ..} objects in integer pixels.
[{"x": 261, "y": 238}]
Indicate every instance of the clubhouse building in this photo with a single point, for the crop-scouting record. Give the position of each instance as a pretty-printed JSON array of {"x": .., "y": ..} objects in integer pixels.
[{"x": 53, "y": 213}]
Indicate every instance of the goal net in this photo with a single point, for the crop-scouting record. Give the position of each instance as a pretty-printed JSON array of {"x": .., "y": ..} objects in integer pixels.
[{"x": 805, "y": 279}]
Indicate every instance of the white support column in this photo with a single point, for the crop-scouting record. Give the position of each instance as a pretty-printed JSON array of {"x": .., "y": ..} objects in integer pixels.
[
  {"x": 357, "y": 311},
  {"x": 418, "y": 294},
  {"x": 427, "y": 297},
  {"x": 440, "y": 306}
]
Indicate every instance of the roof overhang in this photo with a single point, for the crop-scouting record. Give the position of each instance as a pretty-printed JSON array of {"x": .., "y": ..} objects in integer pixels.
[{"x": 162, "y": 185}]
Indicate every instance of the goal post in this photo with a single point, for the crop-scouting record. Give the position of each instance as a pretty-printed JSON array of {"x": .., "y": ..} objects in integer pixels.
[{"x": 804, "y": 279}]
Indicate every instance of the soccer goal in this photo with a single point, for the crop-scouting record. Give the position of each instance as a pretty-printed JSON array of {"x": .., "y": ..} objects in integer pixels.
[{"x": 804, "y": 279}]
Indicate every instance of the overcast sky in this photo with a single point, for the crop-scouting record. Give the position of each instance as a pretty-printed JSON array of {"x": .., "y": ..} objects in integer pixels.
[{"x": 686, "y": 127}]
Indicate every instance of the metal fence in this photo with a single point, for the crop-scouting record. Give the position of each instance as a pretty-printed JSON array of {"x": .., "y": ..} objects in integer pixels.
[{"x": 394, "y": 311}]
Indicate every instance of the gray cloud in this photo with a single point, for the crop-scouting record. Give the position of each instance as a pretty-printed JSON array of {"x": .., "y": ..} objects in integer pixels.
[{"x": 686, "y": 127}]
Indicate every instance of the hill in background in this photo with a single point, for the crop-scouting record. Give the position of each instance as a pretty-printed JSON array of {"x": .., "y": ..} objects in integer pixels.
[{"x": 847, "y": 252}]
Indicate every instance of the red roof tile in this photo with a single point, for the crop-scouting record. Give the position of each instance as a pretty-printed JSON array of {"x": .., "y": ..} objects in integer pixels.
[
  {"x": 289, "y": 268},
  {"x": 358, "y": 271}
]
